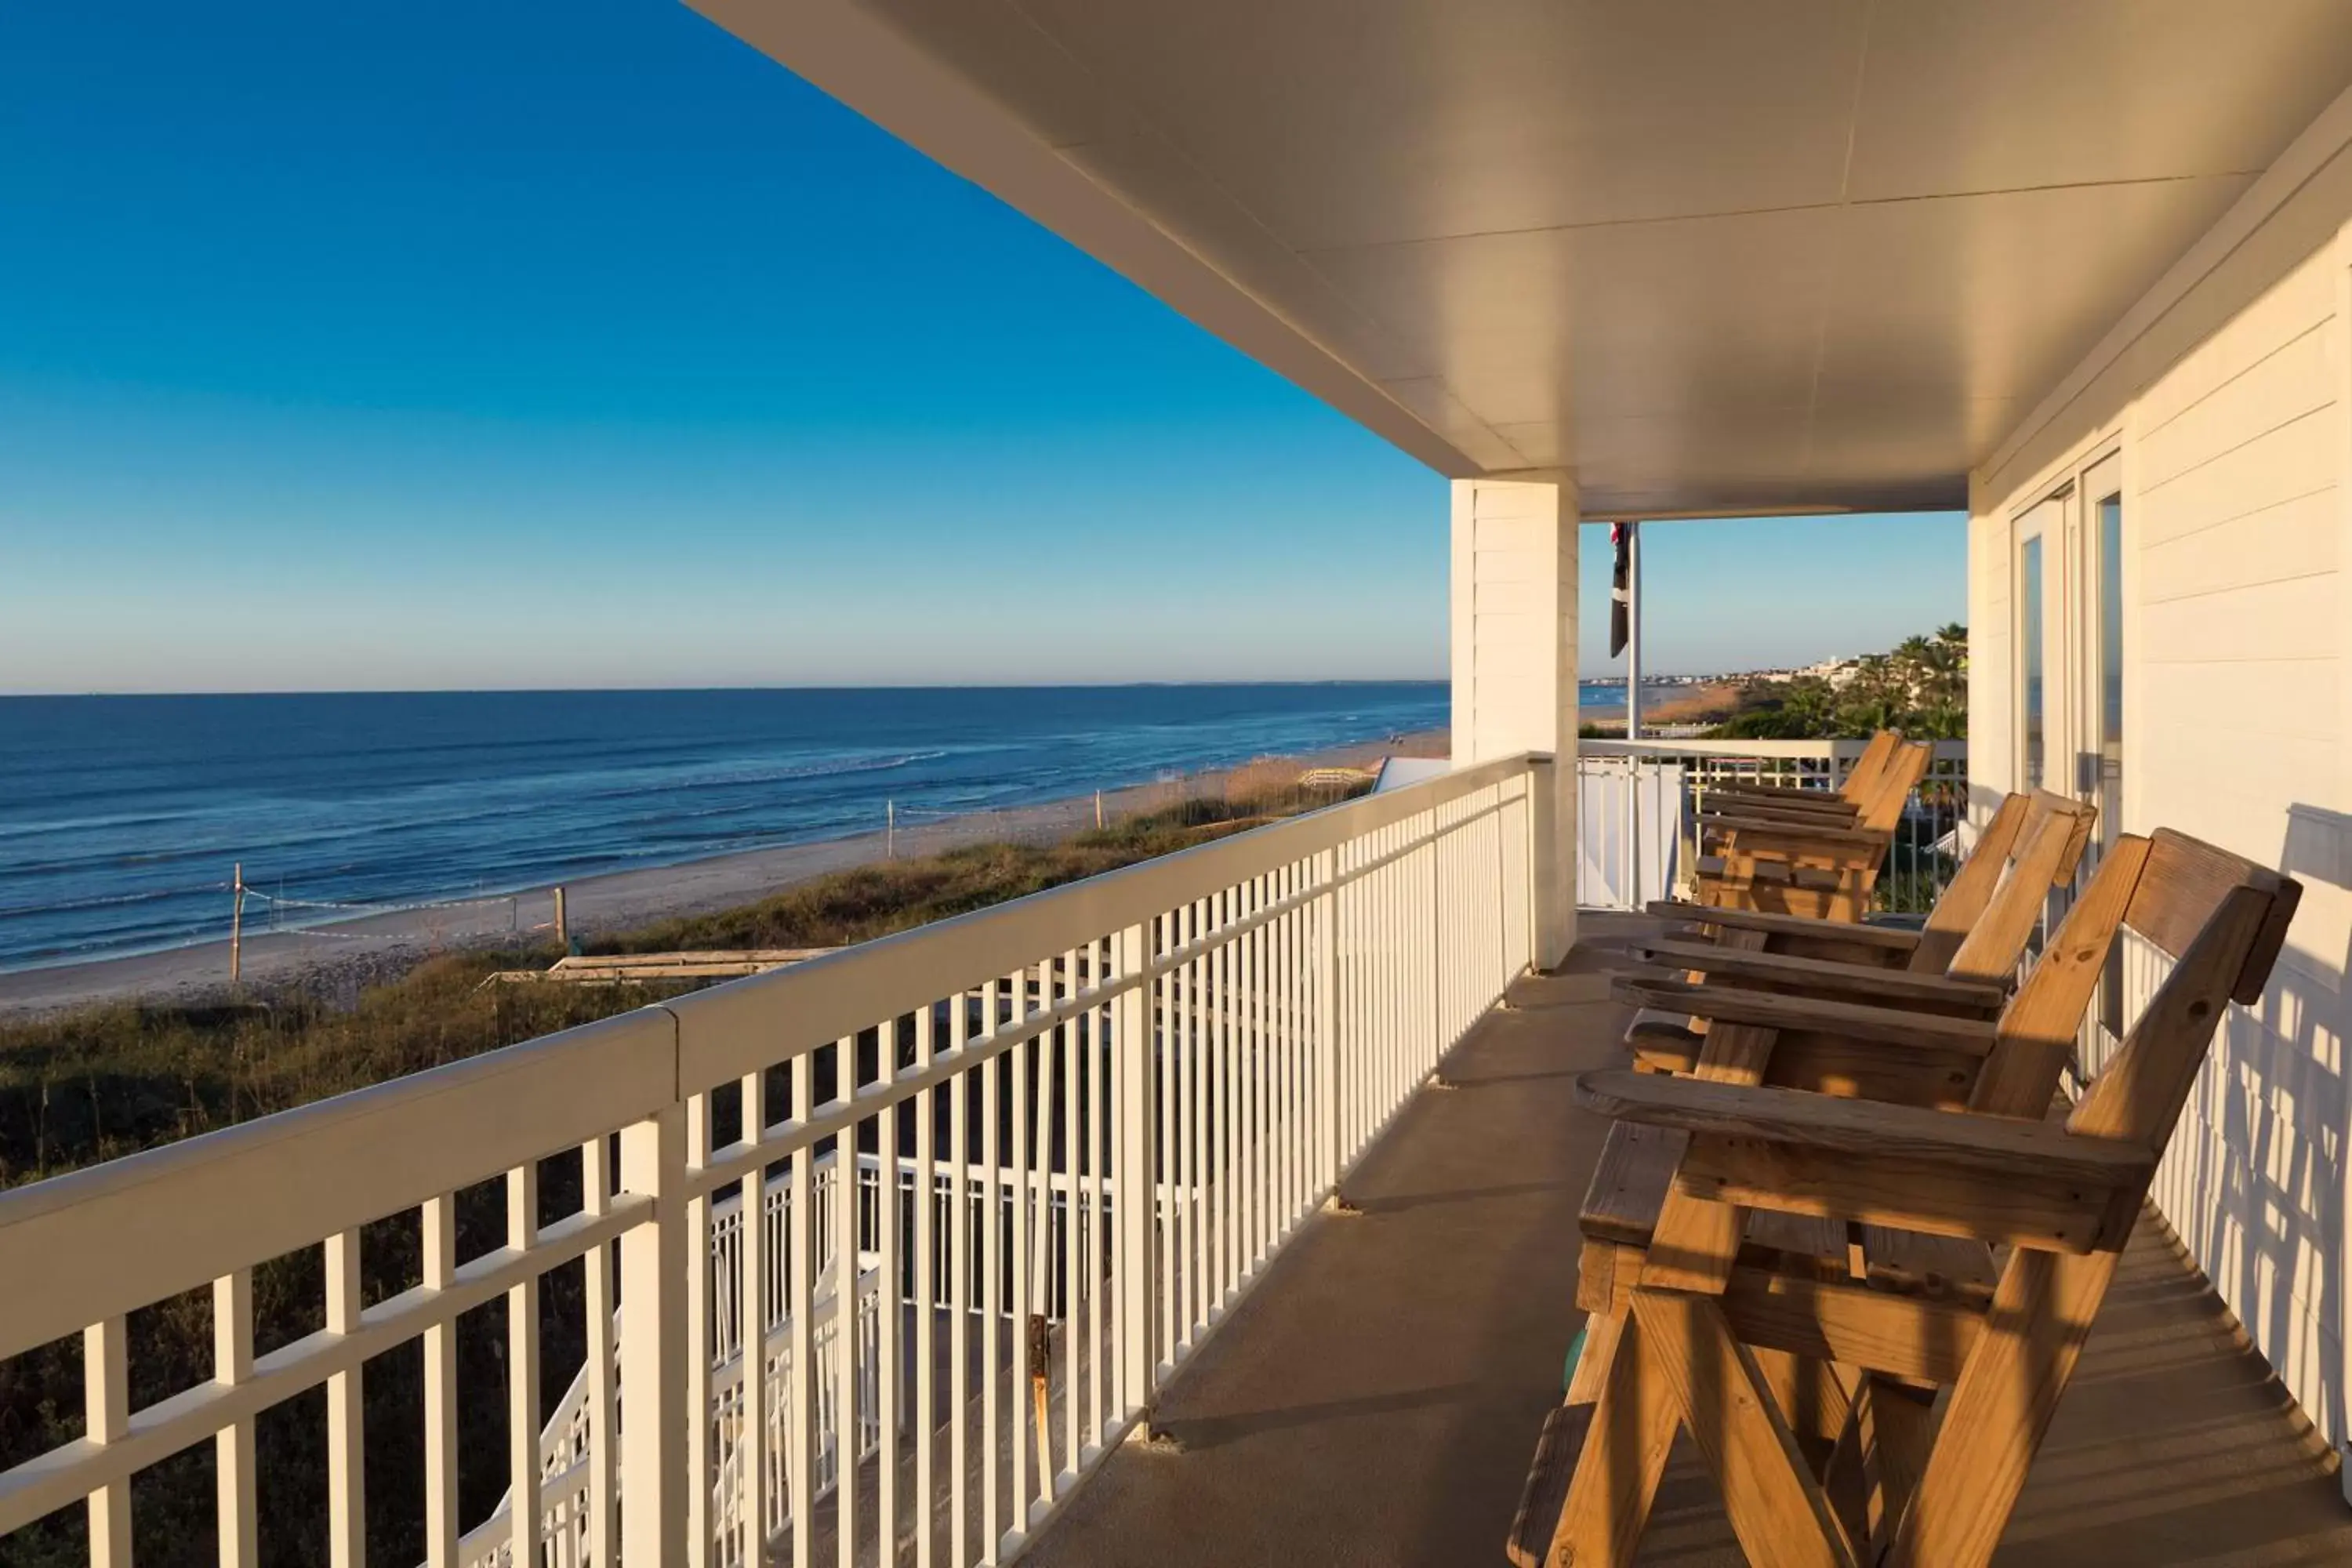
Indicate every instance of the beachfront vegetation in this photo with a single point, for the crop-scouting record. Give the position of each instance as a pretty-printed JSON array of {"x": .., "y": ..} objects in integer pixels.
[
  {"x": 87, "y": 1086},
  {"x": 868, "y": 902},
  {"x": 1920, "y": 687}
]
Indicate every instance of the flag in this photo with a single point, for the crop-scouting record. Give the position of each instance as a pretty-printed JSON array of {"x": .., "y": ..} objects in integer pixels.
[{"x": 1621, "y": 591}]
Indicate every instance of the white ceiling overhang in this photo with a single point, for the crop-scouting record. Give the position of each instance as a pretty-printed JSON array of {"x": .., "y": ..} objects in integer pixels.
[{"x": 1707, "y": 256}]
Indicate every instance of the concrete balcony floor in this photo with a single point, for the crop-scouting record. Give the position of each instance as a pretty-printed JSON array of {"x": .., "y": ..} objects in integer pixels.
[{"x": 1376, "y": 1399}]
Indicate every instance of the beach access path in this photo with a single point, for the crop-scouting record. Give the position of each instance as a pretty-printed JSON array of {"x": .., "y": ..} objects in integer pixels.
[{"x": 342, "y": 956}]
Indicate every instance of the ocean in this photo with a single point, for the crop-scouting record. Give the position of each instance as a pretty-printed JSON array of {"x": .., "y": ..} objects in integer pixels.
[{"x": 120, "y": 818}]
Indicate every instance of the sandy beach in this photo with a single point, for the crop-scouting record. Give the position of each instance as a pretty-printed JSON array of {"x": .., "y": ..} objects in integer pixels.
[
  {"x": 1688, "y": 705},
  {"x": 339, "y": 958}
]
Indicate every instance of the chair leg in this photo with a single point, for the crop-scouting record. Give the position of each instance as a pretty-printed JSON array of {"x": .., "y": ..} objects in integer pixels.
[
  {"x": 1895, "y": 1428},
  {"x": 1992, "y": 1424},
  {"x": 1632, "y": 1428},
  {"x": 1561, "y": 1446},
  {"x": 1780, "y": 1512},
  {"x": 1845, "y": 1478},
  {"x": 1603, "y": 1332},
  {"x": 1812, "y": 1400}
]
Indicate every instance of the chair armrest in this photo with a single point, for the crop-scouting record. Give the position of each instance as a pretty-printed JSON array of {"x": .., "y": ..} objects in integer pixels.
[
  {"x": 1763, "y": 789},
  {"x": 1768, "y": 829},
  {"x": 1996, "y": 1179},
  {"x": 1995, "y": 1145},
  {"x": 1769, "y": 1010},
  {"x": 1896, "y": 937},
  {"x": 1772, "y": 811},
  {"x": 1893, "y": 986},
  {"x": 1812, "y": 800}
]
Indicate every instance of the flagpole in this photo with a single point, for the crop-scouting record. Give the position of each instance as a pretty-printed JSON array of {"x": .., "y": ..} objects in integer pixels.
[{"x": 1633, "y": 631}]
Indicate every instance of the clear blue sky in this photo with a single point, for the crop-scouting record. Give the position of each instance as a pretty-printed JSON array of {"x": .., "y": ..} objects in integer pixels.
[{"x": 428, "y": 345}]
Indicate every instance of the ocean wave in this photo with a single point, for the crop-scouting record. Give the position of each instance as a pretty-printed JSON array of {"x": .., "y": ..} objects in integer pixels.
[
  {"x": 101, "y": 901},
  {"x": 46, "y": 827},
  {"x": 667, "y": 780}
]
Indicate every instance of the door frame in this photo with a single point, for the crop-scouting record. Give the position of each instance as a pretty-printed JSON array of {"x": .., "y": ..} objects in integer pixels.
[
  {"x": 2041, "y": 520},
  {"x": 2078, "y": 760},
  {"x": 2064, "y": 516}
]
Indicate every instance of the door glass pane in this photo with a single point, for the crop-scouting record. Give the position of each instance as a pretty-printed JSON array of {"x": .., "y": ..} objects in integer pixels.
[
  {"x": 2110, "y": 800},
  {"x": 2111, "y": 660},
  {"x": 2029, "y": 663}
]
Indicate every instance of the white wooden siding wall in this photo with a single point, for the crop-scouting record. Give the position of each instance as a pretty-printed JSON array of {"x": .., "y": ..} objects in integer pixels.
[
  {"x": 2237, "y": 539},
  {"x": 2233, "y": 401},
  {"x": 1514, "y": 655}
]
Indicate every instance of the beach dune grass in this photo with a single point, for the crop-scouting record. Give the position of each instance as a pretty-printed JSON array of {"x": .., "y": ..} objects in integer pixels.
[
  {"x": 91, "y": 1085},
  {"x": 99, "y": 1083},
  {"x": 874, "y": 901}
]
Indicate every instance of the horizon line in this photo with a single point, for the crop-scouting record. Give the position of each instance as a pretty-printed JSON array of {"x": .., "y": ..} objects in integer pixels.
[
  {"x": 840, "y": 685},
  {"x": 741, "y": 686}
]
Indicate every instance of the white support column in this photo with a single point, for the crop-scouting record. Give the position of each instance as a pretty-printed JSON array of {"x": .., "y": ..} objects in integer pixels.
[{"x": 1514, "y": 664}]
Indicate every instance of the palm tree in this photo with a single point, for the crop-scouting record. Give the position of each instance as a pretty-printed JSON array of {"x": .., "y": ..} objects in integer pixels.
[{"x": 1920, "y": 687}]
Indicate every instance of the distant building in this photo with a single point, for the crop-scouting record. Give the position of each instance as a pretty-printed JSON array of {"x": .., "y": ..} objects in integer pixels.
[{"x": 1838, "y": 672}]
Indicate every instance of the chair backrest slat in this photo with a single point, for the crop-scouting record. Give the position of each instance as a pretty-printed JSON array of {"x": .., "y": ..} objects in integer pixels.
[
  {"x": 2186, "y": 878},
  {"x": 2140, "y": 1094},
  {"x": 2222, "y": 919},
  {"x": 2085, "y": 817},
  {"x": 1979, "y": 926},
  {"x": 2045, "y": 859},
  {"x": 2035, "y": 1036},
  {"x": 1964, "y": 899},
  {"x": 1906, "y": 764},
  {"x": 1864, "y": 776}
]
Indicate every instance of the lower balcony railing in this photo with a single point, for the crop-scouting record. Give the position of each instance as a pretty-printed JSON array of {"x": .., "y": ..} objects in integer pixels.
[{"x": 1225, "y": 1029}]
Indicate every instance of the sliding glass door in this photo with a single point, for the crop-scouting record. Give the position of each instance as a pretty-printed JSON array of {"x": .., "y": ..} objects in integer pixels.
[
  {"x": 2098, "y": 736},
  {"x": 2069, "y": 697}
]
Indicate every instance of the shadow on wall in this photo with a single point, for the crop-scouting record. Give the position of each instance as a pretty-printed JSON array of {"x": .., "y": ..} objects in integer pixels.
[{"x": 2257, "y": 1191}]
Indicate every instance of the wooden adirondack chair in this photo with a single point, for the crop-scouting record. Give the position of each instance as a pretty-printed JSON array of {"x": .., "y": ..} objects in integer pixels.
[
  {"x": 1933, "y": 946},
  {"x": 1793, "y": 1277},
  {"x": 1821, "y": 873},
  {"x": 1842, "y": 805},
  {"x": 1963, "y": 963},
  {"x": 1864, "y": 789}
]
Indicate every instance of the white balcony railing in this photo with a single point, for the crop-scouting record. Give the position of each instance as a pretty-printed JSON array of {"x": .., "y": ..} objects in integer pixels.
[
  {"x": 1225, "y": 1029},
  {"x": 1638, "y": 797}
]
